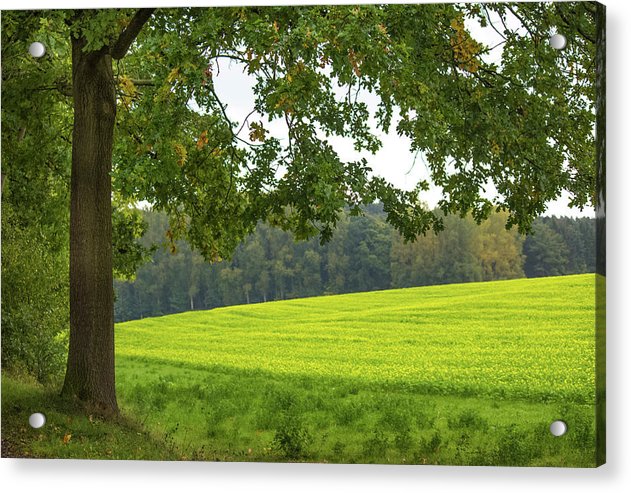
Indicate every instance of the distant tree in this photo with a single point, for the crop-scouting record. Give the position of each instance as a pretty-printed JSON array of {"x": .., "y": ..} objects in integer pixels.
[
  {"x": 414, "y": 264},
  {"x": 212, "y": 281},
  {"x": 367, "y": 246},
  {"x": 579, "y": 236},
  {"x": 195, "y": 280},
  {"x": 545, "y": 251},
  {"x": 458, "y": 261},
  {"x": 462, "y": 252},
  {"x": 232, "y": 286},
  {"x": 499, "y": 250},
  {"x": 252, "y": 260},
  {"x": 310, "y": 279},
  {"x": 337, "y": 261}
]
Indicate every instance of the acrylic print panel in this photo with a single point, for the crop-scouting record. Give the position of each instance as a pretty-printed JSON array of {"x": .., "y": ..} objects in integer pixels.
[{"x": 335, "y": 233}]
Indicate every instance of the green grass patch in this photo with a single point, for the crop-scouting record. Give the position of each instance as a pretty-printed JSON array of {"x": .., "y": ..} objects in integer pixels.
[
  {"x": 457, "y": 374},
  {"x": 454, "y": 374},
  {"x": 70, "y": 431},
  {"x": 526, "y": 338},
  {"x": 257, "y": 416}
]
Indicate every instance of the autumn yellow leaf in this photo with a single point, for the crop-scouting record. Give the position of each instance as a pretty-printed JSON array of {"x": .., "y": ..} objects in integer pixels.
[
  {"x": 457, "y": 23},
  {"x": 128, "y": 89},
  {"x": 67, "y": 438},
  {"x": 181, "y": 152},
  {"x": 123, "y": 23},
  {"x": 495, "y": 148},
  {"x": 173, "y": 74},
  {"x": 355, "y": 60},
  {"x": 465, "y": 48},
  {"x": 257, "y": 132},
  {"x": 202, "y": 141}
]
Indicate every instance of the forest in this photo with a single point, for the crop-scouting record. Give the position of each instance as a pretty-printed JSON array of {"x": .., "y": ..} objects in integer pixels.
[{"x": 365, "y": 254}]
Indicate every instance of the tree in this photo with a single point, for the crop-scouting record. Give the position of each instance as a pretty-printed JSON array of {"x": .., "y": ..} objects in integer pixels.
[
  {"x": 462, "y": 252},
  {"x": 337, "y": 260},
  {"x": 525, "y": 127},
  {"x": 232, "y": 286},
  {"x": 579, "y": 237},
  {"x": 499, "y": 251},
  {"x": 546, "y": 252},
  {"x": 310, "y": 273},
  {"x": 458, "y": 261},
  {"x": 368, "y": 243},
  {"x": 255, "y": 265}
]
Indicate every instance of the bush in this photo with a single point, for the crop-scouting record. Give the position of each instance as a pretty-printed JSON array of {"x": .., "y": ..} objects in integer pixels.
[
  {"x": 292, "y": 439},
  {"x": 431, "y": 446},
  {"x": 35, "y": 293},
  {"x": 516, "y": 447},
  {"x": 468, "y": 419},
  {"x": 377, "y": 445}
]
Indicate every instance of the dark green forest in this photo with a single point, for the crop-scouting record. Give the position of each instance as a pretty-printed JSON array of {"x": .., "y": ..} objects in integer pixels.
[{"x": 365, "y": 254}]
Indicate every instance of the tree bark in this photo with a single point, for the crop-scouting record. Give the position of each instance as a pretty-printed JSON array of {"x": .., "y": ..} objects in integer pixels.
[{"x": 90, "y": 368}]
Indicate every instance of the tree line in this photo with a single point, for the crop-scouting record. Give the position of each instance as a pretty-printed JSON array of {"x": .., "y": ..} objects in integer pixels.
[{"x": 364, "y": 254}]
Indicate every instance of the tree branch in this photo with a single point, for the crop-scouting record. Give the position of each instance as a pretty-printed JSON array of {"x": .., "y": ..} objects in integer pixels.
[
  {"x": 523, "y": 23},
  {"x": 140, "y": 82},
  {"x": 488, "y": 17},
  {"x": 129, "y": 34},
  {"x": 582, "y": 32}
]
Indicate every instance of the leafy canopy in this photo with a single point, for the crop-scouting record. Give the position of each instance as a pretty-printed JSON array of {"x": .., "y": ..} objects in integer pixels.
[{"x": 523, "y": 124}]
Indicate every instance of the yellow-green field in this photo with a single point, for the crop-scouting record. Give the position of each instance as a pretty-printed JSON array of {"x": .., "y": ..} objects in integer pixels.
[{"x": 461, "y": 374}]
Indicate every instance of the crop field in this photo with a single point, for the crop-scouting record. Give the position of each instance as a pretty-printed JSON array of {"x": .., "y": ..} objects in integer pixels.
[{"x": 454, "y": 374}]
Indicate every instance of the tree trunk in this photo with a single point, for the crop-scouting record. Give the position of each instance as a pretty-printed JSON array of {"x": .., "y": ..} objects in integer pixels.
[{"x": 90, "y": 368}]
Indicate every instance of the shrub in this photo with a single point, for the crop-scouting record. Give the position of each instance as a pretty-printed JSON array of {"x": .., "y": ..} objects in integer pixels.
[
  {"x": 35, "y": 293},
  {"x": 469, "y": 419},
  {"x": 292, "y": 439}
]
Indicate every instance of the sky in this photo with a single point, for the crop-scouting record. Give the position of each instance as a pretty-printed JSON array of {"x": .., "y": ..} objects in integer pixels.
[{"x": 393, "y": 161}]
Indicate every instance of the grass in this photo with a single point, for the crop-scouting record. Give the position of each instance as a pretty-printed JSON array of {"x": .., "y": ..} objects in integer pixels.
[
  {"x": 70, "y": 432},
  {"x": 499, "y": 339},
  {"x": 454, "y": 374}
]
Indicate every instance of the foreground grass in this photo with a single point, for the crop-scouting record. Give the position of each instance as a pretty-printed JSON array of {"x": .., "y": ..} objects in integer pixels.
[
  {"x": 454, "y": 374},
  {"x": 70, "y": 431},
  {"x": 459, "y": 374},
  {"x": 228, "y": 415}
]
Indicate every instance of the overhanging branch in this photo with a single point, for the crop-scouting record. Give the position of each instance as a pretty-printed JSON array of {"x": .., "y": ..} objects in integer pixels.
[
  {"x": 129, "y": 34},
  {"x": 581, "y": 31}
]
